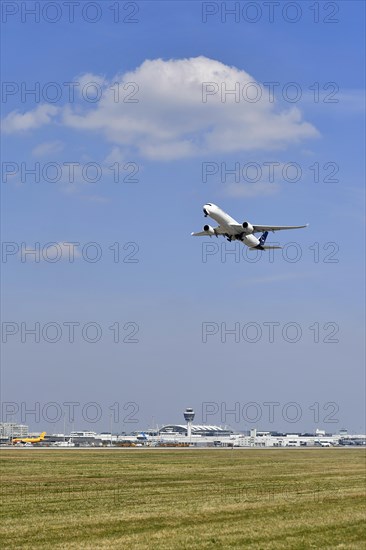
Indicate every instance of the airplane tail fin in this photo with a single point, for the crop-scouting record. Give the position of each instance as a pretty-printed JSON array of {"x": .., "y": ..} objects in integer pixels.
[
  {"x": 262, "y": 246},
  {"x": 262, "y": 239},
  {"x": 42, "y": 435}
]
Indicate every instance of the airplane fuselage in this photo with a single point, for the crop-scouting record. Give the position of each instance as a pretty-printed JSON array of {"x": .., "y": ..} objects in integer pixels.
[
  {"x": 29, "y": 440},
  {"x": 224, "y": 220}
]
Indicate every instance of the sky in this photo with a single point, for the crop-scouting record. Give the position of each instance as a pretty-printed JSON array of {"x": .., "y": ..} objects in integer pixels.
[{"x": 120, "y": 120}]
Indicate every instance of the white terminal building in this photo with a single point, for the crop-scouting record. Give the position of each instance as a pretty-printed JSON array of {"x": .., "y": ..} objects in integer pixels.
[{"x": 11, "y": 429}]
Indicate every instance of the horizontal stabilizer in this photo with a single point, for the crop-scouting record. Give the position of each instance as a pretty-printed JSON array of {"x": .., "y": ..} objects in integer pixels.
[{"x": 261, "y": 247}]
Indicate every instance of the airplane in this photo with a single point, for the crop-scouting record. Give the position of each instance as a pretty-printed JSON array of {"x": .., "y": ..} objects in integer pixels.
[
  {"x": 30, "y": 440},
  {"x": 232, "y": 230}
]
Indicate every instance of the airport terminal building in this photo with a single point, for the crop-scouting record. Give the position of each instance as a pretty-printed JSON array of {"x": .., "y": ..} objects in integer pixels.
[{"x": 196, "y": 430}]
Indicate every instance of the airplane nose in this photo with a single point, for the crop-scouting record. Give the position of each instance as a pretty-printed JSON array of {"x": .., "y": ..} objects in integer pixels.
[{"x": 206, "y": 209}]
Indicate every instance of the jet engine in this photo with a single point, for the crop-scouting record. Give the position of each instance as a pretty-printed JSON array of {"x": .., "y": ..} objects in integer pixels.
[
  {"x": 248, "y": 228},
  {"x": 209, "y": 230}
]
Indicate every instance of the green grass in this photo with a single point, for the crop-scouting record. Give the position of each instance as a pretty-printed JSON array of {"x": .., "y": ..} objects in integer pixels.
[{"x": 183, "y": 499}]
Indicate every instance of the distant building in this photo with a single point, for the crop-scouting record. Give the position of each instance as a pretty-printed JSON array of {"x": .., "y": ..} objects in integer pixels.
[
  {"x": 90, "y": 435},
  {"x": 200, "y": 430},
  {"x": 84, "y": 438},
  {"x": 11, "y": 429}
]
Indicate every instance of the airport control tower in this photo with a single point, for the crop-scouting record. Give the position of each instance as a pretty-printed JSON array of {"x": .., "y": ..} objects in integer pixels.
[{"x": 189, "y": 415}]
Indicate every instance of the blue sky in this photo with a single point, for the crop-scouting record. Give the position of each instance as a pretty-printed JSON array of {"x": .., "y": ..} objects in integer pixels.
[{"x": 169, "y": 292}]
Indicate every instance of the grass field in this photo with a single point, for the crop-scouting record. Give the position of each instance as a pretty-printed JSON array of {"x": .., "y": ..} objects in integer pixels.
[{"x": 183, "y": 499}]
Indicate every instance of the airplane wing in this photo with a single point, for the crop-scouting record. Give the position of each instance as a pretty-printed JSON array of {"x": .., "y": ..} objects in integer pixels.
[
  {"x": 200, "y": 234},
  {"x": 260, "y": 228},
  {"x": 220, "y": 231}
]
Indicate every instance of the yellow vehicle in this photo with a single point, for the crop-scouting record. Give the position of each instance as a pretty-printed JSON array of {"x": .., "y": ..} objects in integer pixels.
[{"x": 29, "y": 439}]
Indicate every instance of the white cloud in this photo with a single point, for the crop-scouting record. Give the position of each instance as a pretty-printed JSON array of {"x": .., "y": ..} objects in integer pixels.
[
  {"x": 47, "y": 148},
  {"x": 116, "y": 155},
  {"x": 170, "y": 119},
  {"x": 20, "y": 122},
  {"x": 89, "y": 85},
  {"x": 160, "y": 113}
]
